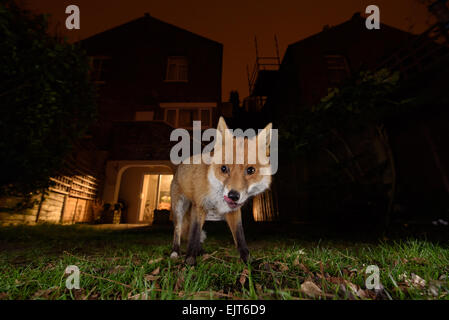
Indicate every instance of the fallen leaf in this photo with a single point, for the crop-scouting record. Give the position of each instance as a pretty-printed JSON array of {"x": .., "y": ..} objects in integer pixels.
[
  {"x": 150, "y": 277},
  {"x": 3, "y": 296},
  {"x": 156, "y": 271},
  {"x": 420, "y": 261},
  {"x": 296, "y": 262},
  {"x": 155, "y": 261},
  {"x": 118, "y": 269},
  {"x": 310, "y": 289},
  {"x": 259, "y": 289},
  {"x": 418, "y": 281},
  {"x": 206, "y": 257},
  {"x": 139, "y": 296},
  {"x": 304, "y": 268},
  {"x": 243, "y": 276},
  {"x": 45, "y": 293},
  {"x": 179, "y": 283},
  {"x": 282, "y": 266}
]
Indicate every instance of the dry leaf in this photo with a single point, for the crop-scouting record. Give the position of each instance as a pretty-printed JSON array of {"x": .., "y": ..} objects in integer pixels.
[
  {"x": 282, "y": 266},
  {"x": 296, "y": 262},
  {"x": 310, "y": 289},
  {"x": 150, "y": 277},
  {"x": 179, "y": 283},
  {"x": 417, "y": 260},
  {"x": 243, "y": 276},
  {"x": 155, "y": 261},
  {"x": 206, "y": 257},
  {"x": 118, "y": 269},
  {"x": 418, "y": 281},
  {"x": 156, "y": 271},
  {"x": 139, "y": 296},
  {"x": 259, "y": 289},
  {"x": 304, "y": 268},
  {"x": 45, "y": 294}
]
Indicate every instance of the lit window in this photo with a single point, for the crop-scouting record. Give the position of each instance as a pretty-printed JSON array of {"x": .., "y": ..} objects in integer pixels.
[
  {"x": 155, "y": 195},
  {"x": 177, "y": 69}
]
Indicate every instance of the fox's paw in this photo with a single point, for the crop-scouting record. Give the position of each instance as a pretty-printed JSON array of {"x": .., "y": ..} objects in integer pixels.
[
  {"x": 191, "y": 261},
  {"x": 244, "y": 255},
  {"x": 174, "y": 255}
]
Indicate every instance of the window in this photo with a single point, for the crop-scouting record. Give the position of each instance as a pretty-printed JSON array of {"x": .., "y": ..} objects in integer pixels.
[
  {"x": 99, "y": 68},
  {"x": 184, "y": 117},
  {"x": 205, "y": 118},
  {"x": 155, "y": 195},
  {"x": 177, "y": 69},
  {"x": 337, "y": 69},
  {"x": 187, "y": 116},
  {"x": 170, "y": 117}
]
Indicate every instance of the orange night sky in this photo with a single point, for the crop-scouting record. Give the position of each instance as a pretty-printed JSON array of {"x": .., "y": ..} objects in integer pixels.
[{"x": 234, "y": 23}]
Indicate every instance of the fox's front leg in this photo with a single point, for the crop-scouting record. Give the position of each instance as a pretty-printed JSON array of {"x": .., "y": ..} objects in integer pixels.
[
  {"x": 194, "y": 248},
  {"x": 234, "y": 220}
]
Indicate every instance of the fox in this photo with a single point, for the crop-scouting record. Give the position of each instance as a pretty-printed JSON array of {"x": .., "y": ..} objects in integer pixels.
[{"x": 218, "y": 190}]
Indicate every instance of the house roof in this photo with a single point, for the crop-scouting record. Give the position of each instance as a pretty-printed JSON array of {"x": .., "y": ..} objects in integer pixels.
[
  {"x": 350, "y": 33},
  {"x": 146, "y": 26}
]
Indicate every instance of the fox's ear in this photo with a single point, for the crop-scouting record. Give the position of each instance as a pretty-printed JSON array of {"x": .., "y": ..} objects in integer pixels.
[
  {"x": 222, "y": 127},
  {"x": 266, "y": 134}
]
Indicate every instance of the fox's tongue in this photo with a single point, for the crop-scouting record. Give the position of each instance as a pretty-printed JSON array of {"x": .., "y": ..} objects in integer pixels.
[{"x": 230, "y": 201}]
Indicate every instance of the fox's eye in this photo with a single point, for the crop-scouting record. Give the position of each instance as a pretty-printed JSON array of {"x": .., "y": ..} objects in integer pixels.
[
  {"x": 224, "y": 169},
  {"x": 250, "y": 170}
]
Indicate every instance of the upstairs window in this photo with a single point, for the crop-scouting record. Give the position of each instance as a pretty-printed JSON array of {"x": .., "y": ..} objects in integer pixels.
[
  {"x": 337, "y": 69},
  {"x": 177, "y": 69},
  {"x": 99, "y": 68}
]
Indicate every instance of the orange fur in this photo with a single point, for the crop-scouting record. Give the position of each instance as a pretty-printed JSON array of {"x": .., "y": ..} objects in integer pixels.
[{"x": 199, "y": 190}]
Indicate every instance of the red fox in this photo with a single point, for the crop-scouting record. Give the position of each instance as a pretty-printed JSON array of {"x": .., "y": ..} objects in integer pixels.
[{"x": 217, "y": 189}]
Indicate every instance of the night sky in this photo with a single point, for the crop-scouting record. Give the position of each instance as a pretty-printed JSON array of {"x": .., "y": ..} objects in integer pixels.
[{"x": 233, "y": 23}]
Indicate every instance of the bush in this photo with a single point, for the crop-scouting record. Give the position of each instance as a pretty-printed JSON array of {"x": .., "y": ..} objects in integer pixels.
[{"x": 47, "y": 100}]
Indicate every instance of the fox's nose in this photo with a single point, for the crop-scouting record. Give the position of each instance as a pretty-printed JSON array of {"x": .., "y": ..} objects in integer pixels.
[{"x": 234, "y": 195}]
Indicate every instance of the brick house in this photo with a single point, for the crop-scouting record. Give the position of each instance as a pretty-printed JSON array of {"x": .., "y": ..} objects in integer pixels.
[
  {"x": 152, "y": 77},
  {"x": 313, "y": 65}
]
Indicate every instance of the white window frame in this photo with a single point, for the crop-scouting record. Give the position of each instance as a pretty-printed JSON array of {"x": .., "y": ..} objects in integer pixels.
[
  {"x": 177, "y": 71},
  {"x": 188, "y": 108}
]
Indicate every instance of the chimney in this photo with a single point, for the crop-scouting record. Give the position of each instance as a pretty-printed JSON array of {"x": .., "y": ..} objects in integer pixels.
[
  {"x": 356, "y": 15},
  {"x": 147, "y": 15}
]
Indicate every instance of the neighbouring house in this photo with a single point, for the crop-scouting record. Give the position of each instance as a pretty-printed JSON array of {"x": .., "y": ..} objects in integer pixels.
[
  {"x": 152, "y": 77},
  {"x": 311, "y": 67}
]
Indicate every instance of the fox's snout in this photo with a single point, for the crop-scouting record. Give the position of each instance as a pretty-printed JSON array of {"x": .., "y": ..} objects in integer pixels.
[{"x": 234, "y": 195}]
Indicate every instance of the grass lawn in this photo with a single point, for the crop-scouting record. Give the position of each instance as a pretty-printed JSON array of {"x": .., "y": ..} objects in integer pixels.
[{"x": 134, "y": 264}]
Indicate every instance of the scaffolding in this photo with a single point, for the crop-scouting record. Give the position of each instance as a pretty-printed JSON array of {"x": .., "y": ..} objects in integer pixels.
[{"x": 258, "y": 77}]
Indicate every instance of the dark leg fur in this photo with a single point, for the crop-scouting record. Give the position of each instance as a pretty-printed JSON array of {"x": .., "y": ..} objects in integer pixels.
[
  {"x": 194, "y": 245},
  {"x": 241, "y": 243}
]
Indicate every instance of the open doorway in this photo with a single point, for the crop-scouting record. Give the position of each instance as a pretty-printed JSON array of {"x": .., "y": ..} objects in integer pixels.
[{"x": 155, "y": 196}]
